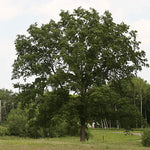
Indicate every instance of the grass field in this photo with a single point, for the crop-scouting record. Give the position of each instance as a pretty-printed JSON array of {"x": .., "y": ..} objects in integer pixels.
[{"x": 112, "y": 141}]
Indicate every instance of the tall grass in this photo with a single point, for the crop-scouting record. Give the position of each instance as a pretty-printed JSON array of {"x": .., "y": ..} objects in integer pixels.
[{"x": 112, "y": 141}]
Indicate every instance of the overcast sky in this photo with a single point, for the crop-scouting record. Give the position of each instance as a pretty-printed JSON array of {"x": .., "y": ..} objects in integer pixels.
[{"x": 17, "y": 15}]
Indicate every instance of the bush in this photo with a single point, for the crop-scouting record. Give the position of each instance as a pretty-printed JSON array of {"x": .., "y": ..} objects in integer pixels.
[
  {"x": 4, "y": 131},
  {"x": 146, "y": 138},
  {"x": 17, "y": 122},
  {"x": 32, "y": 129}
]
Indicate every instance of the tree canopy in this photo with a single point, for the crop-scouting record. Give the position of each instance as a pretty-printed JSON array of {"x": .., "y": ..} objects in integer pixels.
[{"x": 81, "y": 50}]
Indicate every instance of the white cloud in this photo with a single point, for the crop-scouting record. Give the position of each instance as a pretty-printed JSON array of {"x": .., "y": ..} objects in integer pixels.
[
  {"x": 48, "y": 10},
  {"x": 8, "y": 10},
  {"x": 129, "y": 10},
  {"x": 6, "y": 47},
  {"x": 51, "y": 10},
  {"x": 7, "y": 56},
  {"x": 141, "y": 2},
  {"x": 120, "y": 8},
  {"x": 142, "y": 26}
]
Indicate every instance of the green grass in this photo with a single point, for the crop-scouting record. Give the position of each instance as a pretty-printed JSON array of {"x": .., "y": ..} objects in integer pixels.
[{"x": 112, "y": 141}]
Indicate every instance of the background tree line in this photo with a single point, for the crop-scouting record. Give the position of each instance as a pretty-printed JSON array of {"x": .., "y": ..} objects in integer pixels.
[{"x": 57, "y": 113}]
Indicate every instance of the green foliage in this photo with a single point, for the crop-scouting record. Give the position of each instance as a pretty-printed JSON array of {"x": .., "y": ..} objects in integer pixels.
[
  {"x": 71, "y": 115},
  {"x": 101, "y": 103},
  {"x": 17, "y": 122},
  {"x": 52, "y": 115},
  {"x": 104, "y": 103},
  {"x": 33, "y": 130},
  {"x": 57, "y": 114},
  {"x": 134, "y": 91},
  {"x": 146, "y": 138},
  {"x": 128, "y": 114},
  {"x": 7, "y": 102},
  {"x": 4, "y": 131}
]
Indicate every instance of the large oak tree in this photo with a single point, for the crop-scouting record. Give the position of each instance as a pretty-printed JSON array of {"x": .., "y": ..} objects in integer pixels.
[{"x": 79, "y": 51}]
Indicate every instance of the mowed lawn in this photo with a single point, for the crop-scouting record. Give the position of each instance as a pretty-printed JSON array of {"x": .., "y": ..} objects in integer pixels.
[{"x": 112, "y": 141}]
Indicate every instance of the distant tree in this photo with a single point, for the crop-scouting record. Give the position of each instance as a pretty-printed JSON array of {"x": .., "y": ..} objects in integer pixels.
[
  {"x": 136, "y": 91},
  {"x": 102, "y": 103},
  {"x": 127, "y": 114},
  {"x": 82, "y": 49},
  {"x": 146, "y": 104},
  {"x": 51, "y": 110},
  {"x": 110, "y": 109},
  {"x": 141, "y": 90},
  {"x": 139, "y": 87},
  {"x": 7, "y": 102},
  {"x": 58, "y": 114}
]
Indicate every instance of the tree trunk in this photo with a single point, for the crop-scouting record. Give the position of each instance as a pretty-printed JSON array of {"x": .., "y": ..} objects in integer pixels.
[
  {"x": 106, "y": 124},
  {"x": 110, "y": 124},
  {"x": 146, "y": 117},
  {"x": 117, "y": 122},
  {"x": 102, "y": 124},
  {"x": 134, "y": 98},
  {"x": 82, "y": 132},
  {"x": 141, "y": 104}
]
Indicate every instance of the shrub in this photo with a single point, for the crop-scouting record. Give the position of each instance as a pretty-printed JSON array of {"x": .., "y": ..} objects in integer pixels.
[
  {"x": 17, "y": 122},
  {"x": 33, "y": 129},
  {"x": 4, "y": 131},
  {"x": 146, "y": 138}
]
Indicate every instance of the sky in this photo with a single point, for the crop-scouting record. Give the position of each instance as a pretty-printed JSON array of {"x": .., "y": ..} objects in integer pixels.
[{"x": 17, "y": 15}]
